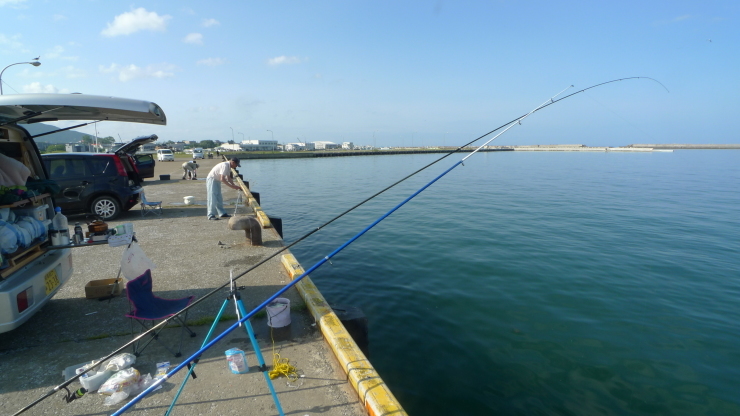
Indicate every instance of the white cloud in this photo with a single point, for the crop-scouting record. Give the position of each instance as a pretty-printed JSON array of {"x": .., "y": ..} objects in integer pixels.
[
  {"x": 680, "y": 18},
  {"x": 72, "y": 72},
  {"x": 194, "y": 39},
  {"x": 55, "y": 52},
  {"x": 11, "y": 3},
  {"x": 36, "y": 88},
  {"x": 210, "y": 22},
  {"x": 58, "y": 17},
  {"x": 131, "y": 72},
  {"x": 284, "y": 60},
  {"x": 212, "y": 61},
  {"x": 134, "y": 21},
  {"x": 12, "y": 42}
]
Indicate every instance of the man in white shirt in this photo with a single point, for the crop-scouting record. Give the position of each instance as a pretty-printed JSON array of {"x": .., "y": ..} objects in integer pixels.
[{"x": 221, "y": 173}]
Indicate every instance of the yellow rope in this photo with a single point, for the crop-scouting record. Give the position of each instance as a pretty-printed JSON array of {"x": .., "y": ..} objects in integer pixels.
[{"x": 281, "y": 366}]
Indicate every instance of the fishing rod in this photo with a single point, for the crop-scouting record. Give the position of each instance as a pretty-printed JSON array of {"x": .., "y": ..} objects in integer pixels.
[
  {"x": 300, "y": 239},
  {"x": 327, "y": 258}
]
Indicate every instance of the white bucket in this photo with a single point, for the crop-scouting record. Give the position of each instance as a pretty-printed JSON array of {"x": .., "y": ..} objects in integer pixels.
[
  {"x": 278, "y": 313},
  {"x": 189, "y": 200}
]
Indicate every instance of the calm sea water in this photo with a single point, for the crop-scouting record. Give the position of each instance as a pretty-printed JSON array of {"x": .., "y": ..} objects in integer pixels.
[{"x": 533, "y": 283}]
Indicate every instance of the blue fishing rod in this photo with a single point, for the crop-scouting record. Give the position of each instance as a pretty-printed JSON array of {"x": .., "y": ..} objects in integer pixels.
[
  {"x": 216, "y": 290},
  {"x": 198, "y": 353}
]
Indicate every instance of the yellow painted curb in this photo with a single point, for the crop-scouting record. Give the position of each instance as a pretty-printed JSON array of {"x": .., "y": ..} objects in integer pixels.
[
  {"x": 261, "y": 216},
  {"x": 373, "y": 392}
]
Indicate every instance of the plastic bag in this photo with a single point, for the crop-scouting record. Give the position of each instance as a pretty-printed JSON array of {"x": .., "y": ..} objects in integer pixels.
[
  {"x": 8, "y": 238},
  {"x": 115, "y": 398},
  {"x": 134, "y": 262},
  {"x": 34, "y": 227},
  {"x": 119, "y": 381},
  {"x": 130, "y": 390},
  {"x": 121, "y": 362}
]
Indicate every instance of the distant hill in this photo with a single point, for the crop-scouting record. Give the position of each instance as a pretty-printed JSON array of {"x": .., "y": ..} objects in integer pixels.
[{"x": 63, "y": 137}]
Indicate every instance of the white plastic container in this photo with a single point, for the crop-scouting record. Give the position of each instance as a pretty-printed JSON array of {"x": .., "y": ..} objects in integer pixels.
[
  {"x": 278, "y": 313},
  {"x": 92, "y": 380},
  {"x": 189, "y": 200},
  {"x": 38, "y": 212},
  {"x": 61, "y": 226}
]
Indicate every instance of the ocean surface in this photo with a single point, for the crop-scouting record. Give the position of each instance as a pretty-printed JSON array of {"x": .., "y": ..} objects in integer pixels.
[{"x": 527, "y": 283}]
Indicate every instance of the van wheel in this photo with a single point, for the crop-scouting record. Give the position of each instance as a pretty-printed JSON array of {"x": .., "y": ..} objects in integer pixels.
[{"x": 106, "y": 207}]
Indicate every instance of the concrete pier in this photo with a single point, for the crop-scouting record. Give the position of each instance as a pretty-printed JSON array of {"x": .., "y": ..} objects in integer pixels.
[{"x": 193, "y": 256}]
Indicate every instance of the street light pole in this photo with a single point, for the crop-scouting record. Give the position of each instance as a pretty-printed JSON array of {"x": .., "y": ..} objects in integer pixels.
[
  {"x": 35, "y": 62},
  {"x": 241, "y": 134},
  {"x": 232, "y": 133}
]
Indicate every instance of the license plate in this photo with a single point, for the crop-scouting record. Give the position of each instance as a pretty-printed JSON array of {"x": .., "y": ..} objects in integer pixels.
[{"x": 51, "y": 281}]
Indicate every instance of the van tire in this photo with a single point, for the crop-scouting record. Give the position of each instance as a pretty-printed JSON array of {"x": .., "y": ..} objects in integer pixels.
[{"x": 106, "y": 207}]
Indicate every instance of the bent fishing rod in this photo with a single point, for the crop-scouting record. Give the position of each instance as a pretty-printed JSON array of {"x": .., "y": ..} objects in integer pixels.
[
  {"x": 327, "y": 258},
  {"x": 300, "y": 239}
]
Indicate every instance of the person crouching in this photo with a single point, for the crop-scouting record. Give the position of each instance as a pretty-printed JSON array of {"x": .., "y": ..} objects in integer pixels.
[{"x": 189, "y": 170}]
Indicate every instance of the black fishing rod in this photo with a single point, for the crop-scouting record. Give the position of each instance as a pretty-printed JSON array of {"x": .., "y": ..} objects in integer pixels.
[
  {"x": 218, "y": 289},
  {"x": 327, "y": 258}
]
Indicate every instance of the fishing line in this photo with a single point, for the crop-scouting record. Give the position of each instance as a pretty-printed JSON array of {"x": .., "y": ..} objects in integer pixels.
[
  {"x": 198, "y": 353},
  {"x": 216, "y": 290}
]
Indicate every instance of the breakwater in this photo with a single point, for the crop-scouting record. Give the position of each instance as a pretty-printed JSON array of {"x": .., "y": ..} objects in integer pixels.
[{"x": 522, "y": 148}]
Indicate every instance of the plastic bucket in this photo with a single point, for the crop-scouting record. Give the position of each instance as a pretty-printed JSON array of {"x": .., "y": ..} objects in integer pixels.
[
  {"x": 189, "y": 200},
  {"x": 164, "y": 177},
  {"x": 278, "y": 313}
]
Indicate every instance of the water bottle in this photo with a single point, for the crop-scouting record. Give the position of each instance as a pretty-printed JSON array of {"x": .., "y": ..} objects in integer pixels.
[
  {"x": 61, "y": 226},
  {"x": 79, "y": 237}
]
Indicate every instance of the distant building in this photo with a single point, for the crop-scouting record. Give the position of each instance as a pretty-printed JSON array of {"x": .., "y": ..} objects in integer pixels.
[
  {"x": 322, "y": 145},
  {"x": 348, "y": 145},
  {"x": 259, "y": 145},
  {"x": 178, "y": 146},
  {"x": 233, "y": 147},
  {"x": 149, "y": 147},
  {"x": 78, "y": 147},
  {"x": 293, "y": 147}
]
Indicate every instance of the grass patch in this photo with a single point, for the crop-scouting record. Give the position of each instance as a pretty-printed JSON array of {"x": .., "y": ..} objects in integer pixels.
[{"x": 208, "y": 320}]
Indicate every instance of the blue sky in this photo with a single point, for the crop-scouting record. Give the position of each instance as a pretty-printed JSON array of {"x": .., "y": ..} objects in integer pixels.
[{"x": 390, "y": 73}]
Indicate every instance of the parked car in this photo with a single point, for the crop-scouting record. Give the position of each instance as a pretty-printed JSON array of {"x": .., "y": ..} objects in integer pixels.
[
  {"x": 165, "y": 155},
  {"x": 103, "y": 184},
  {"x": 30, "y": 275}
]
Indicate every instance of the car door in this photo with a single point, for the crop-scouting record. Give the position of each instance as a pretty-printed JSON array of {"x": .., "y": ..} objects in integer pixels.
[
  {"x": 73, "y": 176},
  {"x": 145, "y": 165}
]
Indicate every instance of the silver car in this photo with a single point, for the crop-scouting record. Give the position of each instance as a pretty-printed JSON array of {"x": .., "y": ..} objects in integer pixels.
[{"x": 32, "y": 272}]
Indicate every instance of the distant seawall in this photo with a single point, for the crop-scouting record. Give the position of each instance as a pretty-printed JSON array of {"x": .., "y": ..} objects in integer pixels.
[
  {"x": 686, "y": 146},
  {"x": 524, "y": 148}
]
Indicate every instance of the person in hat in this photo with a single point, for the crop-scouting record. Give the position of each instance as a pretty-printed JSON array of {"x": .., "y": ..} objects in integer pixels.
[{"x": 221, "y": 173}]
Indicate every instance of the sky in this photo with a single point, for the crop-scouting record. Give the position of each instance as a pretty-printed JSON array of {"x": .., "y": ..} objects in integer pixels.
[{"x": 390, "y": 73}]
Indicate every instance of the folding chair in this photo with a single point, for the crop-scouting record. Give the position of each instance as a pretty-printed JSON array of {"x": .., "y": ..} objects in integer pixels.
[
  {"x": 147, "y": 207},
  {"x": 147, "y": 309}
]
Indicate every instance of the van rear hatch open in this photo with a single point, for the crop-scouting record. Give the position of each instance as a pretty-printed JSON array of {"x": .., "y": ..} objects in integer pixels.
[{"x": 31, "y": 275}]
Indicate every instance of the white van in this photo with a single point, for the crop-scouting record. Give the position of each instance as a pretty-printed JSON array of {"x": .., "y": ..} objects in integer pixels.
[
  {"x": 31, "y": 271},
  {"x": 197, "y": 153},
  {"x": 165, "y": 155}
]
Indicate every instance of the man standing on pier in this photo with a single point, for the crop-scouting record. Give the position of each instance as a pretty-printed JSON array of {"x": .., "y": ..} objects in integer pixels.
[{"x": 221, "y": 173}]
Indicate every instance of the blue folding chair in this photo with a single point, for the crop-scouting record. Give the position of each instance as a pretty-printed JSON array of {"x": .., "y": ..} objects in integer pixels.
[
  {"x": 147, "y": 207},
  {"x": 147, "y": 309}
]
